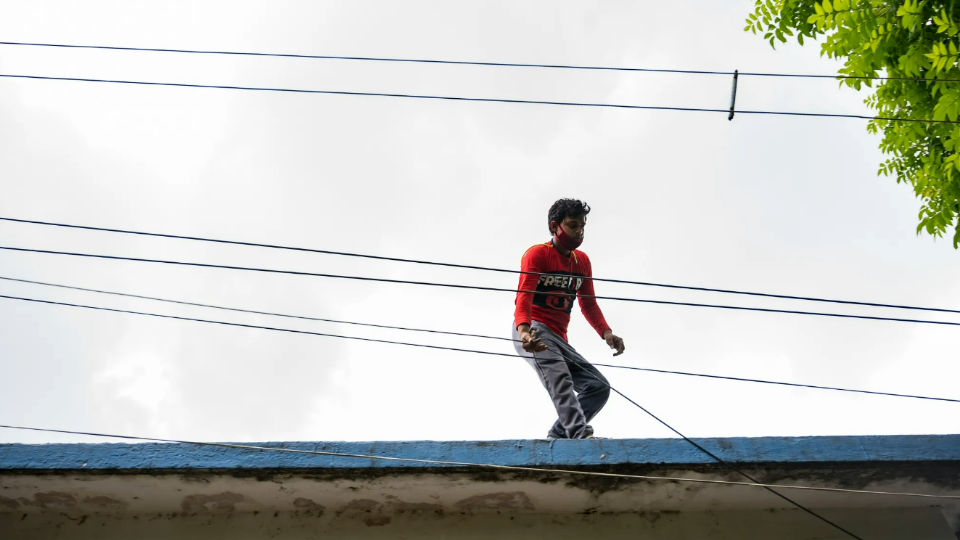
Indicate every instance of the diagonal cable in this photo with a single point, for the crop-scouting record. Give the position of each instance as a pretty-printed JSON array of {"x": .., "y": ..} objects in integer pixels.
[{"x": 730, "y": 466}]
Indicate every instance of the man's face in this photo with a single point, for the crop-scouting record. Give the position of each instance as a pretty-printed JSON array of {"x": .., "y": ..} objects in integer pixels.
[{"x": 574, "y": 225}]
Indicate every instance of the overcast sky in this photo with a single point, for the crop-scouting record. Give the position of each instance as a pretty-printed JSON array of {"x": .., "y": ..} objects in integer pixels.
[{"x": 763, "y": 203}]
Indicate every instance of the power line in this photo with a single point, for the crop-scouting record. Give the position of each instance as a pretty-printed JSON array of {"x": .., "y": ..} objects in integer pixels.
[
  {"x": 254, "y": 326},
  {"x": 460, "y": 334},
  {"x": 473, "y": 267},
  {"x": 365, "y": 58},
  {"x": 713, "y": 456},
  {"x": 255, "y": 312},
  {"x": 473, "y": 287},
  {"x": 467, "y": 63},
  {"x": 372, "y": 94},
  {"x": 781, "y": 383},
  {"x": 476, "y": 99},
  {"x": 488, "y": 465},
  {"x": 728, "y": 465}
]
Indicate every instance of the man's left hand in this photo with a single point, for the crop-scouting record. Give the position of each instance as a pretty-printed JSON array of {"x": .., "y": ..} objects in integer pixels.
[{"x": 614, "y": 341}]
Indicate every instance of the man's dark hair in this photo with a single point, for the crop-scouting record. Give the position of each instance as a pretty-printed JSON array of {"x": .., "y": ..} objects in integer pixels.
[{"x": 565, "y": 208}]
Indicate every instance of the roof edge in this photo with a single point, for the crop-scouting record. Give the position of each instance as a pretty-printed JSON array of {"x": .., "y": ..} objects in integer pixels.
[{"x": 148, "y": 456}]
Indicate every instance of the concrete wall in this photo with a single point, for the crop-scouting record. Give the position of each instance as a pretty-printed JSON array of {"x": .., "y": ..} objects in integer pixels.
[
  {"x": 365, "y": 521},
  {"x": 161, "y": 491}
]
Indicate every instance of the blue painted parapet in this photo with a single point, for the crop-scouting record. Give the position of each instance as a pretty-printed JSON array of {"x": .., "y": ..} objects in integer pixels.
[{"x": 556, "y": 453}]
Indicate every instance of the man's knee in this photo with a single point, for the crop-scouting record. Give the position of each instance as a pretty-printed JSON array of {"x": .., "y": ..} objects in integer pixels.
[
  {"x": 598, "y": 385},
  {"x": 598, "y": 379}
]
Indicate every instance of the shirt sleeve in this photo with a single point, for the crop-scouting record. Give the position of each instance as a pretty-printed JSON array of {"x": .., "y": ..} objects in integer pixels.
[
  {"x": 531, "y": 262},
  {"x": 588, "y": 304}
]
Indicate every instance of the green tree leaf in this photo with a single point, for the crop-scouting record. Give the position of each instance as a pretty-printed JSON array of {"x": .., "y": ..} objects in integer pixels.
[{"x": 907, "y": 40}]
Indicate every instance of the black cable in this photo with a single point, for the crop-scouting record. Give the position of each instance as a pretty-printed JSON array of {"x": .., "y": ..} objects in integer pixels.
[
  {"x": 780, "y": 383},
  {"x": 363, "y": 58},
  {"x": 728, "y": 465},
  {"x": 474, "y": 99},
  {"x": 709, "y": 453},
  {"x": 460, "y": 334},
  {"x": 225, "y": 308},
  {"x": 464, "y": 63},
  {"x": 586, "y": 367},
  {"x": 472, "y": 267},
  {"x": 254, "y": 326},
  {"x": 373, "y": 94},
  {"x": 475, "y": 287}
]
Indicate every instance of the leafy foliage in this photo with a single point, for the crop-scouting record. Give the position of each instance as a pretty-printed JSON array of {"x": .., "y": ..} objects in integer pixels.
[{"x": 907, "y": 39}]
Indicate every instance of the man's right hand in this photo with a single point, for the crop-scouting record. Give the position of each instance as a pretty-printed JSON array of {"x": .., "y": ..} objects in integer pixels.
[{"x": 530, "y": 342}]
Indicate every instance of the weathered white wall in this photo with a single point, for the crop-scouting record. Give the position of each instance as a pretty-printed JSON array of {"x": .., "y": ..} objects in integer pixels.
[
  {"x": 451, "y": 492},
  {"x": 360, "y": 522},
  {"x": 450, "y": 505}
]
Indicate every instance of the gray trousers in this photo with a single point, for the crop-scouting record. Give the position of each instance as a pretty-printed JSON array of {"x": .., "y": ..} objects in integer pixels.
[{"x": 578, "y": 389}]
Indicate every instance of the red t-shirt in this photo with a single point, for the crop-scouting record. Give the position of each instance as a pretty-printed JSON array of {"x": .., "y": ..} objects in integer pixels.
[{"x": 561, "y": 275}]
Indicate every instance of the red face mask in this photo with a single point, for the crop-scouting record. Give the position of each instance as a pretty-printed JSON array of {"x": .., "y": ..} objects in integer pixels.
[{"x": 567, "y": 241}]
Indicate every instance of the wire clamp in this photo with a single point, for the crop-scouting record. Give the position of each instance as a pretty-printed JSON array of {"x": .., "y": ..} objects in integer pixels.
[{"x": 733, "y": 95}]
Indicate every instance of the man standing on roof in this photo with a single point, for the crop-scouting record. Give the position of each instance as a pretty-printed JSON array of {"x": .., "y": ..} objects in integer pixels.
[{"x": 558, "y": 271}]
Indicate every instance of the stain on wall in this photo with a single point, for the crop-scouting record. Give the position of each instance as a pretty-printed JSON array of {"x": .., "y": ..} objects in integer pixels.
[
  {"x": 102, "y": 501},
  {"x": 357, "y": 506},
  {"x": 376, "y": 521},
  {"x": 403, "y": 507},
  {"x": 50, "y": 499},
  {"x": 309, "y": 506},
  {"x": 514, "y": 500},
  {"x": 220, "y": 502}
]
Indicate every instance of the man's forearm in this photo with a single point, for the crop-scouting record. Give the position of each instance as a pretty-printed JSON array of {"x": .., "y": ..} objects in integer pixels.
[{"x": 523, "y": 328}]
